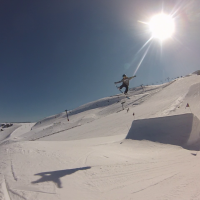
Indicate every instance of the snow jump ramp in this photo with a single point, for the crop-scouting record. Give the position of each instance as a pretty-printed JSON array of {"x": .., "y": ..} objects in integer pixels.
[{"x": 182, "y": 130}]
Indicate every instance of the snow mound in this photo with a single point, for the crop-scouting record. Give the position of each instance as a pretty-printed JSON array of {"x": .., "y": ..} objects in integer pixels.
[
  {"x": 193, "y": 97},
  {"x": 48, "y": 121},
  {"x": 182, "y": 130},
  {"x": 8, "y": 131}
]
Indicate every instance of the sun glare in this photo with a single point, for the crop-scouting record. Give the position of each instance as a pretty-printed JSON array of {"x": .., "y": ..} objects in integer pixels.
[{"x": 162, "y": 26}]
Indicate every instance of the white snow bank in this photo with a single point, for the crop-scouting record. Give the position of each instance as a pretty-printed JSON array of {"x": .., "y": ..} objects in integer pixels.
[
  {"x": 24, "y": 128},
  {"x": 182, "y": 130},
  {"x": 8, "y": 131},
  {"x": 193, "y": 99}
]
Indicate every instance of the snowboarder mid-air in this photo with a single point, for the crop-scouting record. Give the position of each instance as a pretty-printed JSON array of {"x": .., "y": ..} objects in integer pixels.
[{"x": 125, "y": 82}]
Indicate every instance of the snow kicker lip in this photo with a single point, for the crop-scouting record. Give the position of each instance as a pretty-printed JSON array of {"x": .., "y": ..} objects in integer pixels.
[{"x": 182, "y": 130}]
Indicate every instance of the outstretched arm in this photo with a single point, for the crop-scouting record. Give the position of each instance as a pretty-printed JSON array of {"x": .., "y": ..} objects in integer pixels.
[
  {"x": 117, "y": 82},
  {"x": 131, "y": 77}
]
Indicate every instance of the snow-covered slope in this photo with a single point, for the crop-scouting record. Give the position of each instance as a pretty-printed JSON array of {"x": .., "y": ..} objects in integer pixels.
[
  {"x": 6, "y": 133},
  {"x": 106, "y": 153},
  {"x": 90, "y": 112}
]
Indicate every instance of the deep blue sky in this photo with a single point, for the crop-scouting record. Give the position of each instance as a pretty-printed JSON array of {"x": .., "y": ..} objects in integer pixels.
[{"x": 59, "y": 54}]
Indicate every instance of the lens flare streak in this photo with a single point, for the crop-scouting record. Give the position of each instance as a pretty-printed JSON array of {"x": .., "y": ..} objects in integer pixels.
[
  {"x": 144, "y": 44},
  {"x": 143, "y": 57}
]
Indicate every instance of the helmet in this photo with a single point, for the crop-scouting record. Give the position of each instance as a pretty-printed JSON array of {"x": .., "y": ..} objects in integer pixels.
[{"x": 123, "y": 75}]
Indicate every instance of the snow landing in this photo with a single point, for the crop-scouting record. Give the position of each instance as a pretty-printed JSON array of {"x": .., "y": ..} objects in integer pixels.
[{"x": 106, "y": 153}]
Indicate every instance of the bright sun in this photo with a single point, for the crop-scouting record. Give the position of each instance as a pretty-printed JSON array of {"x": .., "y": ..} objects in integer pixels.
[{"x": 162, "y": 26}]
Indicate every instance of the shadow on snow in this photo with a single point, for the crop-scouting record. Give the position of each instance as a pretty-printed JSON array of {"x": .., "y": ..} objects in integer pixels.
[{"x": 55, "y": 176}]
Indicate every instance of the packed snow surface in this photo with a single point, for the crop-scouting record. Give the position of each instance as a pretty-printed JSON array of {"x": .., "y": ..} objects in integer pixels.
[{"x": 115, "y": 148}]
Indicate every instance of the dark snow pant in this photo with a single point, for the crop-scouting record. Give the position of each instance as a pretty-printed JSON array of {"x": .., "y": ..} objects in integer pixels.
[{"x": 124, "y": 85}]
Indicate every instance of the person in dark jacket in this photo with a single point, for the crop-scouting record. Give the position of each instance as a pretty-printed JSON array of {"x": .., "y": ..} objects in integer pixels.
[{"x": 125, "y": 82}]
